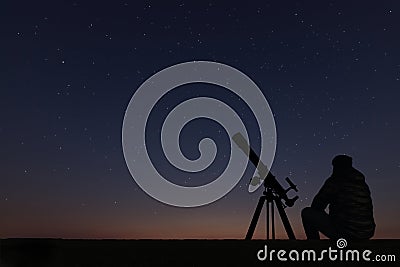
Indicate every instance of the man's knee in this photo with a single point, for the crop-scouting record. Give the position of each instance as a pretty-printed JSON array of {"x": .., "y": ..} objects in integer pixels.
[{"x": 307, "y": 212}]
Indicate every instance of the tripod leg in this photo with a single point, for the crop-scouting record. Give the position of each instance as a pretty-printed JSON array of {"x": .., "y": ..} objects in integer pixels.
[
  {"x": 267, "y": 218},
  {"x": 285, "y": 219},
  {"x": 254, "y": 220},
  {"x": 273, "y": 220}
]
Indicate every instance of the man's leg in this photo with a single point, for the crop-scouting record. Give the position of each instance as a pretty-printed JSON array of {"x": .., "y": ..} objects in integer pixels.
[{"x": 315, "y": 221}]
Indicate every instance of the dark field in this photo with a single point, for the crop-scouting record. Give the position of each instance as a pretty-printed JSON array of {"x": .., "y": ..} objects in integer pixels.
[{"x": 62, "y": 252}]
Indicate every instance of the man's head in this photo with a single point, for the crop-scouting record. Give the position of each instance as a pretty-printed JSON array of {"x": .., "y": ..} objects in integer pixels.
[{"x": 341, "y": 162}]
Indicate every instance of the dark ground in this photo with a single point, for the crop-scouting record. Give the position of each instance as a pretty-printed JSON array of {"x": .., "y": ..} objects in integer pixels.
[{"x": 64, "y": 252}]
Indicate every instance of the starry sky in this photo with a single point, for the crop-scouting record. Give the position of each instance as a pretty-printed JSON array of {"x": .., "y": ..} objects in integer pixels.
[{"x": 330, "y": 71}]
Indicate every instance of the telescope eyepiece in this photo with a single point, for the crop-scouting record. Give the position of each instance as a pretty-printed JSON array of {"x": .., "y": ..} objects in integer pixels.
[{"x": 291, "y": 185}]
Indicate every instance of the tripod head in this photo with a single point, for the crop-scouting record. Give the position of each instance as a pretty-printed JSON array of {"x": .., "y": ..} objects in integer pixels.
[{"x": 269, "y": 180}]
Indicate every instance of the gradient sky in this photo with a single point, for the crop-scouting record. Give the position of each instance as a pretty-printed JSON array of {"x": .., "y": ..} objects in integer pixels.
[{"x": 330, "y": 71}]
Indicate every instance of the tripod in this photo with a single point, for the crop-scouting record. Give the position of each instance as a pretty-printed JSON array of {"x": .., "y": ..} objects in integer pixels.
[{"x": 270, "y": 197}]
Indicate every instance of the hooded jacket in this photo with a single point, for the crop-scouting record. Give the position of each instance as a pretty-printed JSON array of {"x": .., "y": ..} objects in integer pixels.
[{"x": 350, "y": 204}]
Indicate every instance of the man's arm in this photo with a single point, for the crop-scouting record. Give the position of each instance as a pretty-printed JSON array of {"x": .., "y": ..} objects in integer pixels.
[{"x": 324, "y": 196}]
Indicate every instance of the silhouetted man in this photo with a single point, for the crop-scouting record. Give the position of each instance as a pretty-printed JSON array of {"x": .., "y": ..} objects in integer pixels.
[{"x": 350, "y": 205}]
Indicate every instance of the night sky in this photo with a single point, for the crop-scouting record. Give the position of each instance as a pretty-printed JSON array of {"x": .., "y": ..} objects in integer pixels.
[{"x": 329, "y": 70}]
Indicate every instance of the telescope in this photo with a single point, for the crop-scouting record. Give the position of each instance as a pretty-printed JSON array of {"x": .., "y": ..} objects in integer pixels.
[{"x": 273, "y": 192}]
